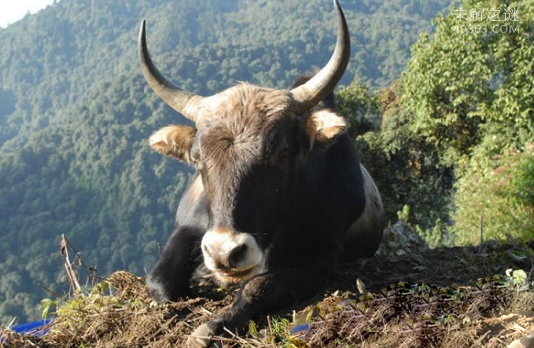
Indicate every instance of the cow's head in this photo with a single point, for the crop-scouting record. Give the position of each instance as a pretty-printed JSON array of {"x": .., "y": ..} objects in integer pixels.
[{"x": 246, "y": 144}]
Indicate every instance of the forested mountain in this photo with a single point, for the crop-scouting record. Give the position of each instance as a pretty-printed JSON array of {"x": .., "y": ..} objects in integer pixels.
[{"x": 75, "y": 114}]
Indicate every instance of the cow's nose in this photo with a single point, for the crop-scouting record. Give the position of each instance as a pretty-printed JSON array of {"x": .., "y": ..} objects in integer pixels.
[
  {"x": 224, "y": 256},
  {"x": 224, "y": 249}
]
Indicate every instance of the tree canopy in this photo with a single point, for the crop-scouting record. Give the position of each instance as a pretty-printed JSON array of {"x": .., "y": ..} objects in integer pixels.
[{"x": 470, "y": 92}]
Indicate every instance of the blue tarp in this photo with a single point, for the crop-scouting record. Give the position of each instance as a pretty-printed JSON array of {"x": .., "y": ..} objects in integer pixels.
[{"x": 37, "y": 328}]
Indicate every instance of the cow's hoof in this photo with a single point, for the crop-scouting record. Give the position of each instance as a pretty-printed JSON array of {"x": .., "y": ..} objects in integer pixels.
[{"x": 202, "y": 338}]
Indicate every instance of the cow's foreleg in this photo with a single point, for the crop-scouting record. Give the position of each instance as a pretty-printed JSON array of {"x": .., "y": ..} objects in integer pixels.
[
  {"x": 169, "y": 279},
  {"x": 264, "y": 293}
]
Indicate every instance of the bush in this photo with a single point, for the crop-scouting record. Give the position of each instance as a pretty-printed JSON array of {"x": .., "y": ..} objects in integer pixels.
[{"x": 495, "y": 197}]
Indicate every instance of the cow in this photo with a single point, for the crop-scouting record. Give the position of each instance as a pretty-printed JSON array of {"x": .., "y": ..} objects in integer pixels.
[{"x": 279, "y": 193}]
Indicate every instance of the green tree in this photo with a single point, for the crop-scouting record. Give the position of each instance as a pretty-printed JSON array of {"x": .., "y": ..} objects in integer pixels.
[
  {"x": 360, "y": 107},
  {"x": 473, "y": 78},
  {"x": 470, "y": 92}
]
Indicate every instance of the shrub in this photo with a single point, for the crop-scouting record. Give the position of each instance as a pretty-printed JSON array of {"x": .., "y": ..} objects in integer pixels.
[{"x": 495, "y": 197}]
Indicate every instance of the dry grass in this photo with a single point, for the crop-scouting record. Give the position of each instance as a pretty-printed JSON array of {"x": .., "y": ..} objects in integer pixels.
[
  {"x": 420, "y": 315},
  {"x": 426, "y": 309}
]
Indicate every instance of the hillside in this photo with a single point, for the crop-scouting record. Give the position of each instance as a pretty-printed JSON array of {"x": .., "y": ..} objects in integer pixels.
[{"x": 75, "y": 114}]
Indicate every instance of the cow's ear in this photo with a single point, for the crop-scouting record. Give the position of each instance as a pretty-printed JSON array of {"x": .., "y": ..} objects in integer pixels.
[
  {"x": 323, "y": 127},
  {"x": 174, "y": 141}
]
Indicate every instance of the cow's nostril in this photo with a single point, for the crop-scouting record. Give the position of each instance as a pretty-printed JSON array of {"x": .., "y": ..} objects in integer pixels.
[{"x": 236, "y": 255}]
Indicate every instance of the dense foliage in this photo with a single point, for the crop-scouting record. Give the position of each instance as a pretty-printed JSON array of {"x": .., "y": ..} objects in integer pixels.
[
  {"x": 75, "y": 114},
  {"x": 453, "y": 152},
  {"x": 470, "y": 91}
]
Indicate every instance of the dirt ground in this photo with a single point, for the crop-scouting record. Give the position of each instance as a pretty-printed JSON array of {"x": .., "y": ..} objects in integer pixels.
[{"x": 446, "y": 297}]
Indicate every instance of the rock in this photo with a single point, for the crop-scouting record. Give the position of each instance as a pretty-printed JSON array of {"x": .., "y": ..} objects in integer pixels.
[{"x": 400, "y": 240}]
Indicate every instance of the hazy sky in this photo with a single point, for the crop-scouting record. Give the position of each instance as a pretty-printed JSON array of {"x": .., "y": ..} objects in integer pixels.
[{"x": 13, "y": 10}]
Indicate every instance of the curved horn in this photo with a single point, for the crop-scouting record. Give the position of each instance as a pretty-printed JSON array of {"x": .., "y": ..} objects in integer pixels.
[
  {"x": 180, "y": 100},
  {"x": 312, "y": 92}
]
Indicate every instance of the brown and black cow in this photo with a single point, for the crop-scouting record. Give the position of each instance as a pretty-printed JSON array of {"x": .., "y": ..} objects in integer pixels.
[{"x": 278, "y": 197}]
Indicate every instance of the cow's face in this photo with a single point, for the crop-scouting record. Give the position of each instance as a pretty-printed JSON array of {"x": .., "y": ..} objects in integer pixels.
[{"x": 247, "y": 145}]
